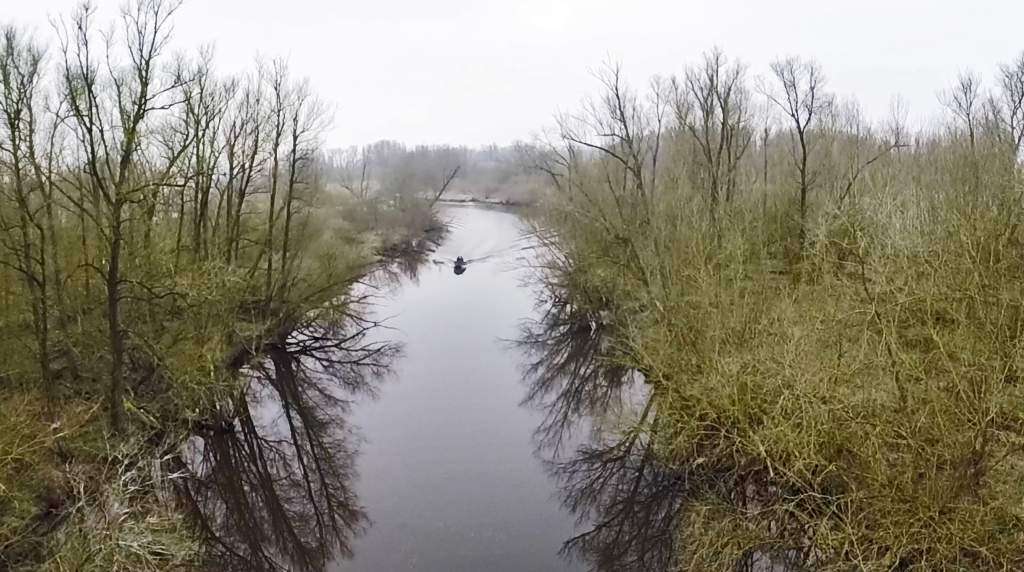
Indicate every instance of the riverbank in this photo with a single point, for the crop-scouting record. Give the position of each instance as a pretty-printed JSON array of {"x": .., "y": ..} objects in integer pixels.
[
  {"x": 78, "y": 496},
  {"x": 484, "y": 202},
  {"x": 831, "y": 362}
]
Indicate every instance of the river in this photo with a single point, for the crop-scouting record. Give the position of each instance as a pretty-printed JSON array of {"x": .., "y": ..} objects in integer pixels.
[
  {"x": 405, "y": 433},
  {"x": 448, "y": 473}
]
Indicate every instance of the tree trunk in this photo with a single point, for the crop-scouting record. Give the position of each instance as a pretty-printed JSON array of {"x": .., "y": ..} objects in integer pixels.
[{"x": 115, "y": 332}]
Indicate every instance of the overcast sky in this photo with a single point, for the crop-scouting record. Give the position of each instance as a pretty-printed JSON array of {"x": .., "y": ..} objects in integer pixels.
[{"x": 481, "y": 71}]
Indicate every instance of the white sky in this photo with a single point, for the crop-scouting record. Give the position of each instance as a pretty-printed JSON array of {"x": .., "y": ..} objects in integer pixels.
[{"x": 481, "y": 71}]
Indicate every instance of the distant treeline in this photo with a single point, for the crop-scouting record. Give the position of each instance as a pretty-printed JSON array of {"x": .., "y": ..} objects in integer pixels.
[{"x": 390, "y": 169}]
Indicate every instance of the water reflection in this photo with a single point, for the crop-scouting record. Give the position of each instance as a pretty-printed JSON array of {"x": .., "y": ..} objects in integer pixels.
[
  {"x": 404, "y": 259},
  {"x": 271, "y": 483},
  {"x": 571, "y": 378},
  {"x": 628, "y": 501},
  {"x": 448, "y": 472}
]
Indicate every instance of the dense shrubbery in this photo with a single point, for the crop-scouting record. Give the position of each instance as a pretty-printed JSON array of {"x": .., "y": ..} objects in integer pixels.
[
  {"x": 837, "y": 384},
  {"x": 160, "y": 224}
]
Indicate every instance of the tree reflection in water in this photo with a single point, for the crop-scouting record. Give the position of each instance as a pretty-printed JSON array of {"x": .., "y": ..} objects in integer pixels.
[
  {"x": 271, "y": 483},
  {"x": 629, "y": 502},
  {"x": 404, "y": 259}
]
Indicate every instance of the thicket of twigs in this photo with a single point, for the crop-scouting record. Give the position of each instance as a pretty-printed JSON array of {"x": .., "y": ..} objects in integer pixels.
[{"x": 828, "y": 313}]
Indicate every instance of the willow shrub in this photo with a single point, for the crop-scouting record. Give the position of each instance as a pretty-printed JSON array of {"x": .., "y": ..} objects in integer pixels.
[
  {"x": 858, "y": 407},
  {"x": 869, "y": 412}
]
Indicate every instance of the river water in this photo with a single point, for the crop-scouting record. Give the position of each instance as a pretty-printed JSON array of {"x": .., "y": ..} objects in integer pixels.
[
  {"x": 447, "y": 468},
  {"x": 362, "y": 447}
]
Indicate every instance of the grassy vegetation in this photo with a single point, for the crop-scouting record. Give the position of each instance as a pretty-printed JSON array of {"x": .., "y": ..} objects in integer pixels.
[{"x": 832, "y": 345}]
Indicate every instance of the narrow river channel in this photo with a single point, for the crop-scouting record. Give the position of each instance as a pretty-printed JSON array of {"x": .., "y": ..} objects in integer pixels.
[{"x": 448, "y": 473}]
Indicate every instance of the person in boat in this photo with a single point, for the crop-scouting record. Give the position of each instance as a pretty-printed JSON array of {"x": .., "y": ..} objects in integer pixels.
[{"x": 460, "y": 265}]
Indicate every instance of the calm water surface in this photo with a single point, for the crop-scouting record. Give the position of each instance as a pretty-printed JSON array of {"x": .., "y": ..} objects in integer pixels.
[
  {"x": 447, "y": 470},
  {"x": 439, "y": 472}
]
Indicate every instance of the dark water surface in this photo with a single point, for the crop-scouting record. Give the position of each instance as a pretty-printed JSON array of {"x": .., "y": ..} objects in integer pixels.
[
  {"x": 447, "y": 471},
  {"x": 444, "y": 469}
]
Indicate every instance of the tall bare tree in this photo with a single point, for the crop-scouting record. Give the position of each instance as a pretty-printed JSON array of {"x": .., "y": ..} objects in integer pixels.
[
  {"x": 308, "y": 120},
  {"x": 109, "y": 106},
  {"x": 1006, "y": 107},
  {"x": 244, "y": 140},
  {"x": 280, "y": 101},
  {"x": 712, "y": 104},
  {"x": 26, "y": 234},
  {"x": 204, "y": 107},
  {"x": 799, "y": 93},
  {"x": 964, "y": 101}
]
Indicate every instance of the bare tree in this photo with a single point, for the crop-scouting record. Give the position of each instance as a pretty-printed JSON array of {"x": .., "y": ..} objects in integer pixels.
[
  {"x": 964, "y": 100},
  {"x": 766, "y": 134},
  {"x": 800, "y": 95},
  {"x": 618, "y": 127},
  {"x": 280, "y": 100},
  {"x": 205, "y": 101},
  {"x": 607, "y": 158},
  {"x": 244, "y": 139},
  {"x": 1006, "y": 106},
  {"x": 446, "y": 180},
  {"x": 308, "y": 121},
  {"x": 860, "y": 145},
  {"x": 712, "y": 104},
  {"x": 25, "y": 234},
  {"x": 354, "y": 171},
  {"x": 108, "y": 117}
]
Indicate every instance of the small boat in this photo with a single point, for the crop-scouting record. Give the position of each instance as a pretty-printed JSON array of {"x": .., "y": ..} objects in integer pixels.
[{"x": 460, "y": 265}]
